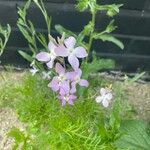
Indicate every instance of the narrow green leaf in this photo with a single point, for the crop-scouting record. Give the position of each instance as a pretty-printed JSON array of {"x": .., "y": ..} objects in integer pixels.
[
  {"x": 25, "y": 33},
  {"x": 110, "y": 38},
  {"x": 136, "y": 78},
  {"x": 61, "y": 29},
  {"x": 26, "y": 56}
]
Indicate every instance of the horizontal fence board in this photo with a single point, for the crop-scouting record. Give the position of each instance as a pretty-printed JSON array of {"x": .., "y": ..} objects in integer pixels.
[
  {"x": 123, "y": 61},
  {"x": 129, "y": 22},
  {"x": 127, "y": 4},
  {"x": 132, "y": 45}
]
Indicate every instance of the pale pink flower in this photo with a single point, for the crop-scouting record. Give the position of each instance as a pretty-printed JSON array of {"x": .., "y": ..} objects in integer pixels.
[
  {"x": 48, "y": 57},
  {"x": 72, "y": 52}
]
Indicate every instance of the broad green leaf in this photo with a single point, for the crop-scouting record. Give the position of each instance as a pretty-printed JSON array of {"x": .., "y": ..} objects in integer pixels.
[
  {"x": 96, "y": 65},
  {"x": 136, "y": 136},
  {"x": 110, "y": 38}
]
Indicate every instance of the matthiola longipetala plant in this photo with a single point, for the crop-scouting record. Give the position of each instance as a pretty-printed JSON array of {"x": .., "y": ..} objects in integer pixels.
[
  {"x": 4, "y": 36},
  {"x": 67, "y": 77},
  {"x": 62, "y": 57}
]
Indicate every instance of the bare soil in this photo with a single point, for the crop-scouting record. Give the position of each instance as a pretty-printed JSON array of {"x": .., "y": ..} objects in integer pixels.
[
  {"x": 139, "y": 97},
  {"x": 8, "y": 120}
]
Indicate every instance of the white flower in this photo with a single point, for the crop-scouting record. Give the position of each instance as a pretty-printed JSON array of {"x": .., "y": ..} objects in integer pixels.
[
  {"x": 33, "y": 71},
  {"x": 46, "y": 75},
  {"x": 105, "y": 97}
]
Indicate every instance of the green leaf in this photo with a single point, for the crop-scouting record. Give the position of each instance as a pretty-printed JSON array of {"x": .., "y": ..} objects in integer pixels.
[
  {"x": 136, "y": 78},
  {"x": 82, "y": 5},
  {"x": 26, "y": 56},
  {"x": 17, "y": 135},
  {"x": 42, "y": 40},
  {"x": 111, "y": 27},
  {"x": 47, "y": 18},
  {"x": 96, "y": 65},
  {"x": 110, "y": 38},
  {"x": 4, "y": 36},
  {"x": 61, "y": 29},
  {"x": 25, "y": 33},
  {"x": 136, "y": 136}
]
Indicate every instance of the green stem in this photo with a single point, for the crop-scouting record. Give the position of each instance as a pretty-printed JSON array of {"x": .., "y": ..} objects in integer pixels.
[
  {"x": 91, "y": 34},
  {"x": 2, "y": 77}
]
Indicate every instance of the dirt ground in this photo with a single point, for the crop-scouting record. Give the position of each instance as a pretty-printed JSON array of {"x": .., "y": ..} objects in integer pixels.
[
  {"x": 137, "y": 94},
  {"x": 8, "y": 119},
  {"x": 139, "y": 97}
]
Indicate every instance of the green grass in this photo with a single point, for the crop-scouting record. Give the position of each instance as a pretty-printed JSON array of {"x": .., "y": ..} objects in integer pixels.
[
  {"x": 58, "y": 127},
  {"x": 84, "y": 126}
]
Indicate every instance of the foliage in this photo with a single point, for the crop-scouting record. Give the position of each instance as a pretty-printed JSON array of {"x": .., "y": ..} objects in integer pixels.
[
  {"x": 50, "y": 126},
  {"x": 84, "y": 126},
  {"x": 96, "y": 65},
  {"x": 28, "y": 30},
  {"x": 20, "y": 139},
  {"x": 89, "y": 31},
  {"x": 136, "y": 136},
  {"x": 4, "y": 33},
  {"x": 135, "y": 78},
  {"x": 8, "y": 86}
]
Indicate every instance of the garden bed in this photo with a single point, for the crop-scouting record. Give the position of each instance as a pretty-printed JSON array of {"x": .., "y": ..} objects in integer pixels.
[{"x": 137, "y": 96}]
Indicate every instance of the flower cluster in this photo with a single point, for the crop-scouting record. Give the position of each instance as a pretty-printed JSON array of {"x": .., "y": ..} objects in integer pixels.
[{"x": 66, "y": 79}]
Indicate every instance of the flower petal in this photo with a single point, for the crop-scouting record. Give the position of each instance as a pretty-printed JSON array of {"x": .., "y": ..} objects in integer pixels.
[
  {"x": 70, "y": 75},
  {"x": 51, "y": 46},
  {"x": 73, "y": 87},
  {"x": 103, "y": 91},
  {"x": 63, "y": 102},
  {"x": 80, "y": 52},
  {"x": 73, "y": 97},
  {"x": 105, "y": 103},
  {"x": 54, "y": 84},
  {"x": 59, "y": 68},
  {"x": 109, "y": 96},
  {"x": 74, "y": 62},
  {"x": 43, "y": 56},
  {"x": 61, "y": 51},
  {"x": 99, "y": 99},
  {"x": 50, "y": 63},
  {"x": 64, "y": 88},
  {"x": 84, "y": 83},
  {"x": 79, "y": 72},
  {"x": 70, "y": 101},
  {"x": 70, "y": 42}
]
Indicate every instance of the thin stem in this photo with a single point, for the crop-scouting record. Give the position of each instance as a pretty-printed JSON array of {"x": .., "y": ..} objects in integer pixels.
[
  {"x": 91, "y": 34},
  {"x": 2, "y": 76}
]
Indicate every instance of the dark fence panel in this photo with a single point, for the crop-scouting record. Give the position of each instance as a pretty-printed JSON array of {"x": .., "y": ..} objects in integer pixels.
[{"x": 133, "y": 29}]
